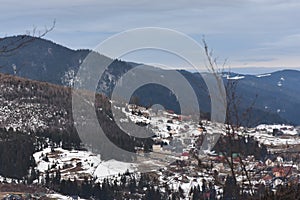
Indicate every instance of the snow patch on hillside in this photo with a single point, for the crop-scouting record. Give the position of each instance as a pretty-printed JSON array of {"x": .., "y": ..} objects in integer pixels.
[
  {"x": 79, "y": 164},
  {"x": 263, "y": 75},
  {"x": 238, "y": 77}
]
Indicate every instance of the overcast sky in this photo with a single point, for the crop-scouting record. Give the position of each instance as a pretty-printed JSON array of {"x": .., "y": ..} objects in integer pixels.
[{"x": 249, "y": 33}]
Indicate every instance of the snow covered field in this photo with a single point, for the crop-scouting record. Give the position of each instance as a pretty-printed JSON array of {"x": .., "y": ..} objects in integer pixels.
[
  {"x": 79, "y": 164},
  {"x": 264, "y": 134}
]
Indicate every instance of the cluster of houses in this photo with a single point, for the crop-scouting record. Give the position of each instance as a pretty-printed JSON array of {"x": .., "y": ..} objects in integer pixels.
[
  {"x": 178, "y": 135},
  {"x": 278, "y": 130}
]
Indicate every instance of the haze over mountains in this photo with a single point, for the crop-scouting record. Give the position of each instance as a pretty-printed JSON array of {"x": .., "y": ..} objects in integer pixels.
[{"x": 276, "y": 95}]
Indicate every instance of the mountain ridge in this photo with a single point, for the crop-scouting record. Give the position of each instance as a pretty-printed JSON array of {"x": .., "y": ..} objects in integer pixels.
[{"x": 44, "y": 60}]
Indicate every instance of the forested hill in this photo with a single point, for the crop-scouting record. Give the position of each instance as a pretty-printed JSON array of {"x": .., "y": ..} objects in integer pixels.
[
  {"x": 43, "y": 60},
  {"x": 40, "y": 109}
]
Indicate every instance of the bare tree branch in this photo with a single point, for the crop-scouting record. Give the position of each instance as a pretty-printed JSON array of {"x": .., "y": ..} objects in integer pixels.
[{"x": 23, "y": 40}]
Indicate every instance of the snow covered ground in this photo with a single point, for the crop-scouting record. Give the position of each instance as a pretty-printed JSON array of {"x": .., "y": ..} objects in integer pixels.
[
  {"x": 165, "y": 124},
  {"x": 289, "y": 135},
  {"x": 285, "y": 129},
  {"x": 78, "y": 164},
  {"x": 263, "y": 75},
  {"x": 61, "y": 197}
]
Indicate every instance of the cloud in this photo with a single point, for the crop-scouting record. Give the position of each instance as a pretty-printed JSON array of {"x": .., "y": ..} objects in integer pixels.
[
  {"x": 284, "y": 42},
  {"x": 241, "y": 30}
]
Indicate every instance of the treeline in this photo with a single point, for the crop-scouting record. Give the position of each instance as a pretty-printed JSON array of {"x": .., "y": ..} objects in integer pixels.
[
  {"x": 16, "y": 154},
  {"x": 67, "y": 139},
  {"x": 244, "y": 146},
  {"x": 29, "y": 91},
  {"x": 146, "y": 186},
  {"x": 126, "y": 186}
]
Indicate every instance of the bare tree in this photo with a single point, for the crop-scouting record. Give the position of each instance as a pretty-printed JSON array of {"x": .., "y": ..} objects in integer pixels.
[
  {"x": 12, "y": 46},
  {"x": 234, "y": 120}
]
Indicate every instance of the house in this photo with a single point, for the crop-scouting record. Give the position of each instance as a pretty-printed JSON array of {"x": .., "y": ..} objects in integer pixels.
[
  {"x": 184, "y": 118},
  {"x": 170, "y": 111},
  {"x": 187, "y": 141},
  {"x": 219, "y": 167},
  {"x": 281, "y": 171},
  {"x": 156, "y": 148},
  {"x": 269, "y": 162},
  {"x": 184, "y": 156},
  {"x": 279, "y": 159},
  {"x": 220, "y": 158},
  {"x": 277, "y": 132}
]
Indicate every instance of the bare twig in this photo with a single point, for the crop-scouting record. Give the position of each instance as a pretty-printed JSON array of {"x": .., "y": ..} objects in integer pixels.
[{"x": 23, "y": 40}]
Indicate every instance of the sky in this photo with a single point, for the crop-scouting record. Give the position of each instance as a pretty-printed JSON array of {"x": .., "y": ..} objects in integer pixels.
[{"x": 252, "y": 35}]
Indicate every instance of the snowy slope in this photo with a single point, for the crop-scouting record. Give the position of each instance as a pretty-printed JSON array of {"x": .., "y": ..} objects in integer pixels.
[{"x": 79, "y": 164}]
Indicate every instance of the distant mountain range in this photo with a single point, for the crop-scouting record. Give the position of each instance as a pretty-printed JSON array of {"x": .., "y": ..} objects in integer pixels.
[{"x": 276, "y": 95}]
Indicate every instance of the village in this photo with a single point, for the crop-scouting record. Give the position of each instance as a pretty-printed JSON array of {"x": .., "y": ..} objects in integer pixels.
[
  {"x": 178, "y": 137},
  {"x": 181, "y": 160}
]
